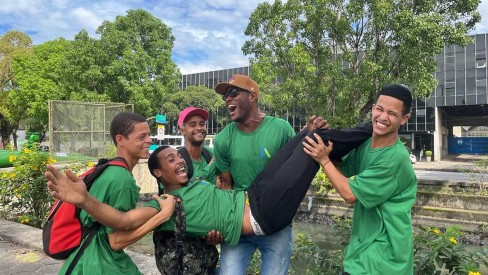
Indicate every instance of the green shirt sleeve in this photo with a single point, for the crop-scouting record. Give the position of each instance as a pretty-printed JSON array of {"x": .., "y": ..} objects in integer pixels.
[{"x": 374, "y": 185}]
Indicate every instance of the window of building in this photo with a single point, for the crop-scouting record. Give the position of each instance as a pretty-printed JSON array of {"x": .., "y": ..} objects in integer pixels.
[{"x": 481, "y": 60}]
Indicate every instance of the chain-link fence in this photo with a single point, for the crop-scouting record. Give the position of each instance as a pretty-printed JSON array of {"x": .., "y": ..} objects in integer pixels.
[{"x": 82, "y": 127}]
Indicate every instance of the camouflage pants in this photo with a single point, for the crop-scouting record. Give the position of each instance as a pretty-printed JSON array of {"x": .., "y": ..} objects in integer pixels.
[{"x": 198, "y": 257}]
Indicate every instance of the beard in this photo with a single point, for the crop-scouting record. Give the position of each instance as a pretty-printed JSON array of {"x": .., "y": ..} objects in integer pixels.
[{"x": 197, "y": 143}]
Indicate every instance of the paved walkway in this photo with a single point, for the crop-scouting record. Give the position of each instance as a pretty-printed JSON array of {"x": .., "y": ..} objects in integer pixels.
[
  {"x": 21, "y": 252},
  {"x": 21, "y": 245}
]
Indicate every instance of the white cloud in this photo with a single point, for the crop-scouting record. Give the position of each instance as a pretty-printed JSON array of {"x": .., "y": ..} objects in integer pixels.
[
  {"x": 86, "y": 18},
  {"x": 209, "y": 34},
  {"x": 482, "y": 26}
]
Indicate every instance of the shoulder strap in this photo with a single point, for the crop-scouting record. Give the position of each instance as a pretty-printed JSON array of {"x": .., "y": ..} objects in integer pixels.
[
  {"x": 186, "y": 156},
  {"x": 89, "y": 179},
  {"x": 207, "y": 155},
  {"x": 100, "y": 167},
  {"x": 86, "y": 242}
]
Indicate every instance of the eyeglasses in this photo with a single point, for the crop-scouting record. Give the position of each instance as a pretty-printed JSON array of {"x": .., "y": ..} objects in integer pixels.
[{"x": 233, "y": 93}]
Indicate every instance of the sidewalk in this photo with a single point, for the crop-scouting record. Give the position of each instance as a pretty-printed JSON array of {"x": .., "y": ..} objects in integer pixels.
[
  {"x": 451, "y": 163},
  {"x": 21, "y": 252}
]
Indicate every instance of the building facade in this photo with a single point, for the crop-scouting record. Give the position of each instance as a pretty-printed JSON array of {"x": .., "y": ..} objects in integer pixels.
[{"x": 453, "y": 120}]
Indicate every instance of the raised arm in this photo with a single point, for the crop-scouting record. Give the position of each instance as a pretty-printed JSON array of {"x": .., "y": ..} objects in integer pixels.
[
  {"x": 320, "y": 153},
  {"x": 70, "y": 188},
  {"x": 121, "y": 239}
]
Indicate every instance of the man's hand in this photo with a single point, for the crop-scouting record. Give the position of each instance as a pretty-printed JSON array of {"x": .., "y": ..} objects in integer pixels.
[
  {"x": 68, "y": 188},
  {"x": 317, "y": 122},
  {"x": 318, "y": 150},
  {"x": 167, "y": 204},
  {"x": 213, "y": 237}
]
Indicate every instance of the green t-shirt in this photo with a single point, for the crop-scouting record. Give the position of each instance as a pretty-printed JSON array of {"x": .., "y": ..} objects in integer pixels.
[
  {"x": 206, "y": 208},
  {"x": 385, "y": 185},
  {"x": 201, "y": 168},
  {"x": 116, "y": 187},
  {"x": 245, "y": 155}
]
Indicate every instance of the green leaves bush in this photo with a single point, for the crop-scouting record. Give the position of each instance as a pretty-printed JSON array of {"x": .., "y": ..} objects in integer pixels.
[{"x": 23, "y": 190}]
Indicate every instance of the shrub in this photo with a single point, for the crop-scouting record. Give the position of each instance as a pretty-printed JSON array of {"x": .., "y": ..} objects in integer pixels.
[
  {"x": 321, "y": 183},
  {"x": 437, "y": 252},
  {"x": 428, "y": 153},
  {"x": 24, "y": 193}
]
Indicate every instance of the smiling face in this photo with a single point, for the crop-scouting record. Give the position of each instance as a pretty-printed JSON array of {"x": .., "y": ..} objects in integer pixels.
[
  {"x": 171, "y": 169},
  {"x": 194, "y": 130},
  {"x": 387, "y": 117},
  {"x": 136, "y": 144},
  {"x": 239, "y": 105}
]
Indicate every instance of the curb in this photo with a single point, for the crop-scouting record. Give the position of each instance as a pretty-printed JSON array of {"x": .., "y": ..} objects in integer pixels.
[{"x": 31, "y": 237}]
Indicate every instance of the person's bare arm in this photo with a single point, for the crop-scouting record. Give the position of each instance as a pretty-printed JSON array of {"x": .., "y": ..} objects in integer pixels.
[
  {"x": 226, "y": 181},
  {"x": 70, "y": 188},
  {"x": 121, "y": 239},
  {"x": 320, "y": 153}
]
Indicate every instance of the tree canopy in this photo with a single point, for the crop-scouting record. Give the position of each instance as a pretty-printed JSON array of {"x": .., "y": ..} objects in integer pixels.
[
  {"x": 130, "y": 63},
  {"x": 331, "y": 56},
  {"x": 12, "y": 44}
]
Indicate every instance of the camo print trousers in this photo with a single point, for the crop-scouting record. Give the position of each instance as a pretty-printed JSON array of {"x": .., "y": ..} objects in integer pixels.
[{"x": 198, "y": 256}]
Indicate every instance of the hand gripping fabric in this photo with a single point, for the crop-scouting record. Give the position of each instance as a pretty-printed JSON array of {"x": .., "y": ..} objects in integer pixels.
[{"x": 63, "y": 232}]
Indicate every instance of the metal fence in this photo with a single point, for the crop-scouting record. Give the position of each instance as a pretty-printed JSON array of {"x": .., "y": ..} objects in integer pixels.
[{"x": 82, "y": 127}]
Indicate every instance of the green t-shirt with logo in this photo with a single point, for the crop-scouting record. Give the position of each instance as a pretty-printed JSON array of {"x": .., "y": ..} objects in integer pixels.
[
  {"x": 207, "y": 208},
  {"x": 385, "y": 185},
  {"x": 245, "y": 155},
  {"x": 116, "y": 187}
]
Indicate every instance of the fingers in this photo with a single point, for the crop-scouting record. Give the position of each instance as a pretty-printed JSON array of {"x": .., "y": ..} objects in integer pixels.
[
  {"x": 213, "y": 237},
  {"x": 55, "y": 172},
  {"x": 72, "y": 176}
]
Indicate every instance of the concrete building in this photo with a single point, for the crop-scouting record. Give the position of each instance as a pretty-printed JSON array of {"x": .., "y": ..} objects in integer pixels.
[{"x": 453, "y": 120}]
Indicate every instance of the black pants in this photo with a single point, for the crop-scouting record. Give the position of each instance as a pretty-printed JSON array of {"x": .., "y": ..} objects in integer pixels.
[{"x": 277, "y": 192}]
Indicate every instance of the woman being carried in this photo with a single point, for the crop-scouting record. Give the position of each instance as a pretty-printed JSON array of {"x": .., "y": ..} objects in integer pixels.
[{"x": 273, "y": 198}]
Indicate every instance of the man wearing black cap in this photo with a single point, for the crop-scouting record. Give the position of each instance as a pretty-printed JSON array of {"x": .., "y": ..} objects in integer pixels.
[
  {"x": 242, "y": 149},
  {"x": 378, "y": 178}
]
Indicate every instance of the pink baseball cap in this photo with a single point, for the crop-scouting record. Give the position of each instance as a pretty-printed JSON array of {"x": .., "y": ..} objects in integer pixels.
[{"x": 190, "y": 111}]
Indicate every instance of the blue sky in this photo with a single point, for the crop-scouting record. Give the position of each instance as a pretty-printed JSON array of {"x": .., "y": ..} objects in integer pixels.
[{"x": 208, "y": 34}]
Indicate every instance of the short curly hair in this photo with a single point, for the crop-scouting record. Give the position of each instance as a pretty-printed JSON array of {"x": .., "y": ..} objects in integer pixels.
[
  {"x": 153, "y": 161},
  {"x": 123, "y": 124}
]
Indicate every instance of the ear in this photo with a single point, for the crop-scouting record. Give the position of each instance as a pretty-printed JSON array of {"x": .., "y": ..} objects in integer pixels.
[
  {"x": 405, "y": 118},
  {"x": 373, "y": 106},
  {"x": 119, "y": 139},
  {"x": 254, "y": 97},
  {"x": 157, "y": 173}
]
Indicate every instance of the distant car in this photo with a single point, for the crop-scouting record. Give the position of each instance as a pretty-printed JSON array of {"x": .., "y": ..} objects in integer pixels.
[{"x": 413, "y": 158}]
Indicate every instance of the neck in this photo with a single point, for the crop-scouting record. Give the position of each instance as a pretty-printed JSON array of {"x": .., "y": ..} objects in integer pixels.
[
  {"x": 251, "y": 123},
  {"x": 194, "y": 151},
  {"x": 380, "y": 142},
  {"x": 131, "y": 161}
]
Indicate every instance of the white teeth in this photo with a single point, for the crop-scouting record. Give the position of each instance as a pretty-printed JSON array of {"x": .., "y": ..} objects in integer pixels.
[{"x": 381, "y": 125}]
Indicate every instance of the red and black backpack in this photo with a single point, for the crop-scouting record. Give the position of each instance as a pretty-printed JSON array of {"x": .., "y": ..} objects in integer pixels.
[{"x": 63, "y": 232}]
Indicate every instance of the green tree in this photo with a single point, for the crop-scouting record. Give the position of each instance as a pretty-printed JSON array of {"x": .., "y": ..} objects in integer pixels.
[
  {"x": 12, "y": 44},
  {"x": 130, "y": 63},
  {"x": 333, "y": 55},
  {"x": 37, "y": 77}
]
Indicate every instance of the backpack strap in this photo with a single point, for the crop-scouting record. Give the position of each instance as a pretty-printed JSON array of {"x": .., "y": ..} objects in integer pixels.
[
  {"x": 186, "y": 156},
  {"x": 86, "y": 242},
  {"x": 89, "y": 179},
  {"x": 207, "y": 155}
]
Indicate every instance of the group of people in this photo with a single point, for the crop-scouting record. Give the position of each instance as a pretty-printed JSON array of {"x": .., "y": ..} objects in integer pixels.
[{"x": 246, "y": 198}]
